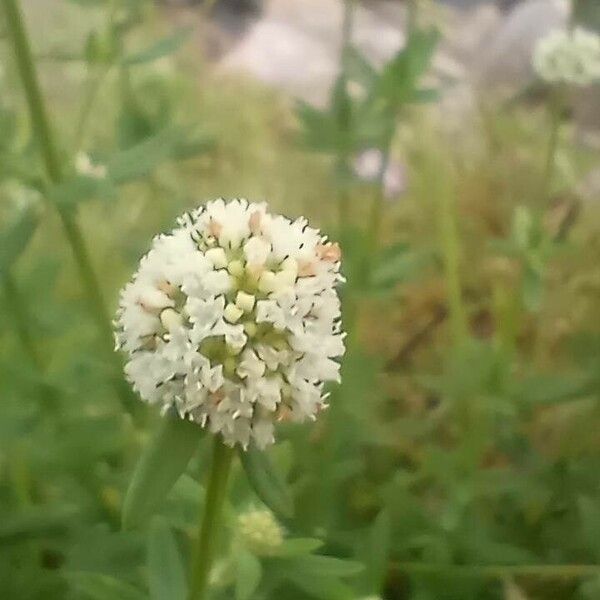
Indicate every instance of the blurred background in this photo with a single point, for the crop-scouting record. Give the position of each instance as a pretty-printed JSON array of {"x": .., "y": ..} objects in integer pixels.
[{"x": 460, "y": 456}]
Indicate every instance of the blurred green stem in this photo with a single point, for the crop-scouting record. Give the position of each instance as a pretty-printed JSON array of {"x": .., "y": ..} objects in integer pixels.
[
  {"x": 555, "y": 110},
  {"x": 345, "y": 116},
  {"x": 448, "y": 228},
  {"x": 376, "y": 215},
  {"x": 203, "y": 552},
  {"x": 92, "y": 87},
  {"x": 506, "y": 313},
  {"x": 22, "y": 321},
  {"x": 412, "y": 15},
  {"x": 54, "y": 169}
]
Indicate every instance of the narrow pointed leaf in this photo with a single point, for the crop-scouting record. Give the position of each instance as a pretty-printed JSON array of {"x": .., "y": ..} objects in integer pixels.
[
  {"x": 377, "y": 552},
  {"x": 298, "y": 547},
  {"x": 166, "y": 574},
  {"x": 37, "y": 523},
  {"x": 163, "y": 461},
  {"x": 325, "y": 588},
  {"x": 267, "y": 483},
  {"x": 14, "y": 240},
  {"x": 97, "y": 586},
  {"x": 248, "y": 576},
  {"x": 164, "y": 47},
  {"x": 326, "y": 566}
]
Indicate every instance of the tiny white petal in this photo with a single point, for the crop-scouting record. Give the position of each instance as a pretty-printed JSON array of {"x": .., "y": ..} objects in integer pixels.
[
  {"x": 233, "y": 313},
  {"x": 245, "y": 301}
]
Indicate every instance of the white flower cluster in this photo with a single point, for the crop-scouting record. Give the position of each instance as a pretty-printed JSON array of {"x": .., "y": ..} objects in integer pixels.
[
  {"x": 569, "y": 57},
  {"x": 260, "y": 532},
  {"x": 233, "y": 319}
]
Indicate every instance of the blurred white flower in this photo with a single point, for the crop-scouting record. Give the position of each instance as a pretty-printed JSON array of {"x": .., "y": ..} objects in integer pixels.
[
  {"x": 85, "y": 166},
  {"x": 16, "y": 198},
  {"x": 367, "y": 166},
  {"x": 233, "y": 318},
  {"x": 569, "y": 57},
  {"x": 260, "y": 532}
]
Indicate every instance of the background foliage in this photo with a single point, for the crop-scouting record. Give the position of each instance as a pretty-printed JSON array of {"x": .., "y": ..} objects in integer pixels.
[{"x": 459, "y": 457}]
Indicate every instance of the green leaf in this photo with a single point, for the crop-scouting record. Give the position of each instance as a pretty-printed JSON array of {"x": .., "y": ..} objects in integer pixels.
[
  {"x": 248, "y": 575},
  {"x": 378, "y": 549},
  {"x": 15, "y": 238},
  {"x": 101, "y": 47},
  {"x": 586, "y": 13},
  {"x": 425, "y": 96},
  {"x": 266, "y": 482},
  {"x": 590, "y": 589},
  {"x": 589, "y": 511},
  {"x": 317, "y": 565},
  {"x": 166, "y": 575},
  {"x": 298, "y": 547},
  {"x": 400, "y": 77},
  {"x": 140, "y": 160},
  {"x": 36, "y": 523},
  {"x": 360, "y": 70},
  {"x": 547, "y": 389},
  {"x": 96, "y": 586},
  {"x": 165, "y": 47},
  {"x": 319, "y": 130},
  {"x": 399, "y": 265},
  {"x": 326, "y": 588},
  {"x": 163, "y": 461},
  {"x": 94, "y": 3},
  {"x": 81, "y": 188}
]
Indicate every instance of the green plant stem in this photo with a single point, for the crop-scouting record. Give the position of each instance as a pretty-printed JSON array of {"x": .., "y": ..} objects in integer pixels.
[
  {"x": 412, "y": 20},
  {"x": 93, "y": 85},
  {"x": 556, "y": 107},
  {"x": 448, "y": 228},
  {"x": 345, "y": 116},
  {"x": 54, "y": 170},
  {"x": 33, "y": 95},
  {"x": 500, "y": 571},
  {"x": 204, "y": 550},
  {"x": 376, "y": 217},
  {"x": 21, "y": 319}
]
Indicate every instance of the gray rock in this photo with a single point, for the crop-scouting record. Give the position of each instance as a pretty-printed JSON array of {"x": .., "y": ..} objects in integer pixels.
[
  {"x": 295, "y": 45},
  {"x": 506, "y": 58}
]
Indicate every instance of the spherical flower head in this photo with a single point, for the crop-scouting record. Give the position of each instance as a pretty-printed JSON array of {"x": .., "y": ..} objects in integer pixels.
[
  {"x": 568, "y": 57},
  {"x": 260, "y": 532},
  {"x": 233, "y": 320}
]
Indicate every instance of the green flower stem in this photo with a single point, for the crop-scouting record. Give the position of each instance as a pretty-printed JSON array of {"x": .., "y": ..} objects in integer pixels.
[
  {"x": 448, "y": 228},
  {"x": 33, "y": 94},
  {"x": 555, "y": 110},
  {"x": 345, "y": 117},
  {"x": 54, "y": 170},
  {"x": 412, "y": 20},
  {"x": 92, "y": 88},
  {"x": 379, "y": 197},
  {"x": 21, "y": 319},
  {"x": 376, "y": 214},
  {"x": 204, "y": 550}
]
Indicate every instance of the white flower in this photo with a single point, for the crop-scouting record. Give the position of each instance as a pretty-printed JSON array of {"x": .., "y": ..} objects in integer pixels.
[
  {"x": 233, "y": 319},
  {"x": 85, "y": 166},
  {"x": 260, "y": 532},
  {"x": 569, "y": 57}
]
